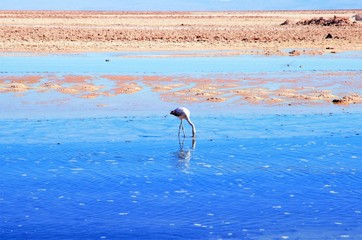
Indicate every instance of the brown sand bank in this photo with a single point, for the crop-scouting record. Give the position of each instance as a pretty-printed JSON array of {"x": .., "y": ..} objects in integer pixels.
[
  {"x": 236, "y": 89},
  {"x": 75, "y": 31}
]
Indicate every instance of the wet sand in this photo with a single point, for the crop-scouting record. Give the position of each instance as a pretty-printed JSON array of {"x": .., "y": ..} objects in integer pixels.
[
  {"x": 156, "y": 82},
  {"x": 236, "y": 90},
  {"x": 300, "y": 32}
]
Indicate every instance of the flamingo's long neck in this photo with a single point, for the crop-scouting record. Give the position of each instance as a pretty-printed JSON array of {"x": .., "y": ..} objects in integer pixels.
[{"x": 193, "y": 127}]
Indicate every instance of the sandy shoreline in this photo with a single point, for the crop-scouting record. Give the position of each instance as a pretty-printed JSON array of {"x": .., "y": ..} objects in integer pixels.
[{"x": 91, "y": 31}]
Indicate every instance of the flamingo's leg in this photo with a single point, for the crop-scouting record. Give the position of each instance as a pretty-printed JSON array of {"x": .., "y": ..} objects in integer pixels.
[
  {"x": 179, "y": 128},
  {"x": 183, "y": 130}
]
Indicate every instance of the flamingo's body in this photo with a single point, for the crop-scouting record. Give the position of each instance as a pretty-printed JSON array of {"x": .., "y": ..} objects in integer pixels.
[{"x": 183, "y": 113}]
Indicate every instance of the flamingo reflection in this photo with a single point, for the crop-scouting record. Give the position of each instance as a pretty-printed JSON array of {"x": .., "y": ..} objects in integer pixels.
[{"x": 184, "y": 155}]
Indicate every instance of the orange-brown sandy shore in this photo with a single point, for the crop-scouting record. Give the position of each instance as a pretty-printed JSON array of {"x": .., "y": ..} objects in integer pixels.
[{"x": 269, "y": 32}]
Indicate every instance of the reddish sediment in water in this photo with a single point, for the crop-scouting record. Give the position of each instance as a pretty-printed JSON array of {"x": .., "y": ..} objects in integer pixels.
[{"x": 245, "y": 89}]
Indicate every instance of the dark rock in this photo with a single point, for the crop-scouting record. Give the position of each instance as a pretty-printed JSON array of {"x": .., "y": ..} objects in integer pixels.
[
  {"x": 286, "y": 22},
  {"x": 329, "y": 36}
]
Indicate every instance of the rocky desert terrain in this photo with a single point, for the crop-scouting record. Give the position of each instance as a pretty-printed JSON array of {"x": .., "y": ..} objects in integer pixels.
[{"x": 272, "y": 32}]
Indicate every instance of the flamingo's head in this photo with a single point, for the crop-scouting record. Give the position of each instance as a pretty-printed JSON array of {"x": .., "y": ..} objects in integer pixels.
[{"x": 175, "y": 113}]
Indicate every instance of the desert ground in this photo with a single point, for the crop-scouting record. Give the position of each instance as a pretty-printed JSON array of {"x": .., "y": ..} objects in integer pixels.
[{"x": 311, "y": 32}]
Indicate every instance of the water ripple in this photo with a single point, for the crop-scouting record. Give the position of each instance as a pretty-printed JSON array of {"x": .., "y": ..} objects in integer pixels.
[{"x": 236, "y": 187}]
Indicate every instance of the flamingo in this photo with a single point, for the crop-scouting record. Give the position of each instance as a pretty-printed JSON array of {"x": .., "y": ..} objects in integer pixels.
[{"x": 183, "y": 113}]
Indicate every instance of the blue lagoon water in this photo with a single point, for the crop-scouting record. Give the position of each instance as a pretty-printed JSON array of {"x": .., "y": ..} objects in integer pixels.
[
  {"x": 133, "y": 63},
  {"x": 124, "y": 178},
  {"x": 245, "y": 176}
]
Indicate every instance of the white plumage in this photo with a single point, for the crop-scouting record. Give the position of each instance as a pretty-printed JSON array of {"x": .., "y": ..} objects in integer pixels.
[{"x": 183, "y": 113}]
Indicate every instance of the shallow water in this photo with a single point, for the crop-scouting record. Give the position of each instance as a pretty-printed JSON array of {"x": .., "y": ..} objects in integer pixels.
[
  {"x": 139, "y": 63},
  {"x": 257, "y": 177},
  {"x": 339, "y": 74},
  {"x": 75, "y": 171}
]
